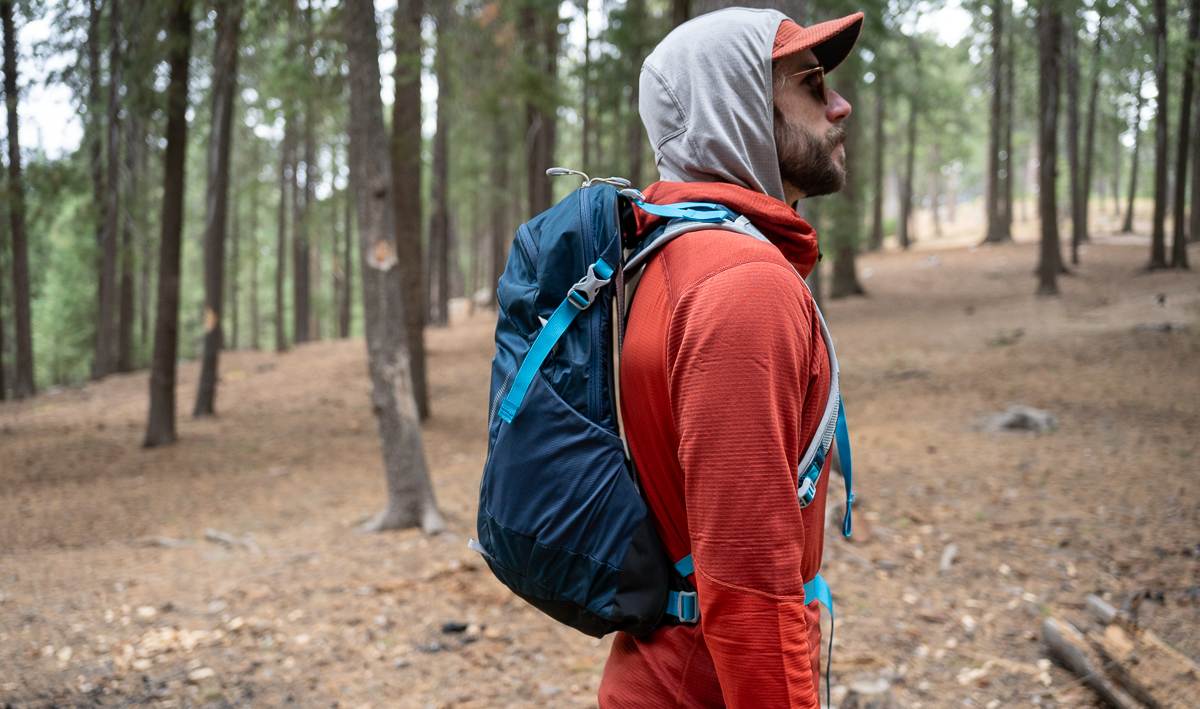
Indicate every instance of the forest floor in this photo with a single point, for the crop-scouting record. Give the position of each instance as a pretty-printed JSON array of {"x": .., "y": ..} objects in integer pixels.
[{"x": 110, "y": 594}]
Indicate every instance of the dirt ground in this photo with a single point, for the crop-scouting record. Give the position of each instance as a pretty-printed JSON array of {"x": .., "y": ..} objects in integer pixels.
[{"x": 110, "y": 594}]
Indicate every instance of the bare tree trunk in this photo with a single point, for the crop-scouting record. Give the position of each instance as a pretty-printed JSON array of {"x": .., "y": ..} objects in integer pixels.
[
  {"x": 1006, "y": 164},
  {"x": 235, "y": 246},
  {"x": 406, "y": 174},
  {"x": 847, "y": 204},
  {"x": 347, "y": 269},
  {"x": 877, "y": 175},
  {"x": 636, "y": 13},
  {"x": 255, "y": 322},
  {"x": 94, "y": 137},
  {"x": 3, "y": 388},
  {"x": 439, "y": 225},
  {"x": 147, "y": 247},
  {"x": 935, "y": 193},
  {"x": 106, "y": 300},
  {"x": 1194, "y": 215},
  {"x": 995, "y": 135},
  {"x": 224, "y": 88},
  {"x": 312, "y": 239},
  {"x": 128, "y": 225},
  {"x": 795, "y": 9},
  {"x": 681, "y": 12},
  {"x": 299, "y": 254},
  {"x": 1089, "y": 140},
  {"x": 1158, "y": 236},
  {"x": 1179, "y": 256},
  {"x": 410, "y": 495},
  {"x": 160, "y": 425},
  {"x": 1049, "y": 28},
  {"x": 1127, "y": 227},
  {"x": 1116, "y": 184},
  {"x": 1071, "y": 49},
  {"x": 500, "y": 200},
  {"x": 23, "y": 384},
  {"x": 285, "y": 177},
  {"x": 903, "y": 224},
  {"x": 539, "y": 27},
  {"x": 585, "y": 5}
]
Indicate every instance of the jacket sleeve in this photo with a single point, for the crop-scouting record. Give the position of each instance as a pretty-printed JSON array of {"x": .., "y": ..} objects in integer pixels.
[{"x": 739, "y": 369}]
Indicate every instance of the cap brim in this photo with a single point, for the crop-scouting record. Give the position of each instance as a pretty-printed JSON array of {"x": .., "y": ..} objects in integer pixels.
[{"x": 830, "y": 41}]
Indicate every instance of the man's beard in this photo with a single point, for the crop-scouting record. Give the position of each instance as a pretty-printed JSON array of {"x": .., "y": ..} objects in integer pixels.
[{"x": 806, "y": 159}]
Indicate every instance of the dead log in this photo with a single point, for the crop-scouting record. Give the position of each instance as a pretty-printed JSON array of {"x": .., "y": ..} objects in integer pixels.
[
  {"x": 1159, "y": 676},
  {"x": 1071, "y": 649}
]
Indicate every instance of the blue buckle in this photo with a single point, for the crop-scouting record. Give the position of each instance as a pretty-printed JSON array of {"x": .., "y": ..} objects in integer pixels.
[{"x": 684, "y": 606}]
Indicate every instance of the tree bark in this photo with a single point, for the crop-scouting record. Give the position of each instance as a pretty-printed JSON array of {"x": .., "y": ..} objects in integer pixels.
[
  {"x": 347, "y": 269},
  {"x": 877, "y": 174},
  {"x": 681, "y": 12},
  {"x": 1158, "y": 235},
  {"x": 299, "y": 253},
  {"x": 234, "y": 273},
  {"x": 285, "y": 177},
  {"x": 1127, "y": 227},
  {"x": 23, "y": 381},
  {"x": 3, "y": 387},
  {"x": 636, "y": 14},
  {"x": 795, "y": 9},
  {"x": 406, "y": 174},
  {"x": 93, "y": 136},
  {"x": 539, "y": 27},
  {"x": 410, "y": 499},
  {"x": 254, "y": 252},
  {"x": 903, "y": 233},
  {"x": 439, "y": 224},
  {"x": 224, "y": 88},
  {"x": 106, "y": 299},
  {"x": 1071, "y": 49},
  {"x": 160, "y": 425},
  {"x": 995, "y": 134},
  {"x": 500, "y": 201},
  {"x": 1194, "y": 215},
  {"x": 586, "y": 98},
  {"x": 1089, "y": 140},
  {"x": 147, "y": 247},
  {"x": 1049, "y": 28},
  {"x": 846, "y": 206},
  {"x": 1179, "y": 255},
  {"x": 129, "y": 224},
  {"x": 1006, "y": 184}
]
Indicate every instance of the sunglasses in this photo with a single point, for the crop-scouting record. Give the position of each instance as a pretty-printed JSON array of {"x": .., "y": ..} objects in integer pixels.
[{"x": 815, "y": 79}]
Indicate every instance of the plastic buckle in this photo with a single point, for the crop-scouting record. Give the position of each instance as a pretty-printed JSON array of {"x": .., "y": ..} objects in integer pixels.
[
  {"x": 687, "y": 607},
  {"x": 584, "y": 292},
  {"x": 808, "y": 483}
]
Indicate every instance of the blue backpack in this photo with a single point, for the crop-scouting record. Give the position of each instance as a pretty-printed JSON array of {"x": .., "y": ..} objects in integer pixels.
[{"x": 561, "y": 518}]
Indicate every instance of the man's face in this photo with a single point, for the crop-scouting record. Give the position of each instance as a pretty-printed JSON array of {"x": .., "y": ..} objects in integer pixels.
[{"x": 809, "y": 135}]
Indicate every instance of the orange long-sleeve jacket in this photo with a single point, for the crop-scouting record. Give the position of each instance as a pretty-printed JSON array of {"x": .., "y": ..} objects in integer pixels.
[{"x": 724, "y": 377}]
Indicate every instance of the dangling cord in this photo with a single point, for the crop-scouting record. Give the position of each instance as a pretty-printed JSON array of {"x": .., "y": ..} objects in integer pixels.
[{"x": 829, "y": 665}]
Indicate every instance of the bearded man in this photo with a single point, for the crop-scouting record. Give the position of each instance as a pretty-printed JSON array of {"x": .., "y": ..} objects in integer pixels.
[{"x": 724, "y": 373}]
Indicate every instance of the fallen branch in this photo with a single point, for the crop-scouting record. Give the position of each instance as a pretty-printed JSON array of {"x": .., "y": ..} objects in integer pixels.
[{"x": 229, "y": 540}]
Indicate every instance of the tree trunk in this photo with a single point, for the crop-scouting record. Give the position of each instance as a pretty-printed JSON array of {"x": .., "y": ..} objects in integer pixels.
[
  {"x": 254, "y": 252},
  {"x": 410, "y": 498},
  {"x": 1071, "y": 49},
  {"x": 129, "y": 224},
  {"x": 995, "y": 135},
  {"x": 1179, "y": 256},
  {"x": 1006, "y": 182},
  {"x": 299, "y": 250},
  {"x": 406, "y": 174},
  {"x": 285, "y": 177},
  {"x": 877, "y": 175},
  {"x": 106, "y": 299},
  {"x": 160, "y": 426},
  {"x": 23, "y": 382},
  {"x": 635, "y": 13},
  {"x": 1089, "y": 140},
  {"x": 1158, "y": 236},
  {"x": 539, "y": 27},
  {"x": 681, "y": 12},
  {"x": 93, "y": 136},
  {"x": 586, "y": 98},
  {"x": 235, "y": 247},
  {"x": 846, "y": 205},
  {"x": 439, "y": 225},
  {"x": 795, "y": 9},
  {"x": 903, "y": 225},
  {"x": 1127, "y": 227},
  {"x": 3, "y": 387},
  {"x": 347, "y": 269},
  {"x": 1049, "y": 28},
  {"x": 147, "y": 247},
  {"x": 500, "y": 201},
  {"x": 1194, "y": 215},
  {"x": 224, "y": 88}
]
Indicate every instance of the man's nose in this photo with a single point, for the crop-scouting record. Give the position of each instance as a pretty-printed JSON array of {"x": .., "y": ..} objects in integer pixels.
[{"x": 838, "y": 108}]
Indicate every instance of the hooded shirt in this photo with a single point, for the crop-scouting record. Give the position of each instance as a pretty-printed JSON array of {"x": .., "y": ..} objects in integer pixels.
[{"x": 724, "y": 377}]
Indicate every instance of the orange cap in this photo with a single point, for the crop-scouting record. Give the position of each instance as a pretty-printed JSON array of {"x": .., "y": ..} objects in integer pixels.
[{"x": 830, "y": 41}]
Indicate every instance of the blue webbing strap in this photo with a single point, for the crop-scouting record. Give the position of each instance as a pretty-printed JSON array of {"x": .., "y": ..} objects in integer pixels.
[
  {"x": 554, "y": 328},
  {"x": 685, "y": 567},
  {"x": 843, "y": 444},
  {"x": 818, "y": 590},
  {"x": 694, "y": 211}
]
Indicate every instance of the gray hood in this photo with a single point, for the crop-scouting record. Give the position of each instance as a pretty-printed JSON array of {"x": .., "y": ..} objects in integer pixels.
[{"x": 705, "y": 97}]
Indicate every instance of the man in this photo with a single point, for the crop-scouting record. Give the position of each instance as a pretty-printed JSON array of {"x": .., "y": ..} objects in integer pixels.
[{"x": 724, "y": 373}]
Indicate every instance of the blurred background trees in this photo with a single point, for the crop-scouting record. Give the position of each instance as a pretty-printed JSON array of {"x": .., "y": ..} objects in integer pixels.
[{"x": 949, "y": 135}]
